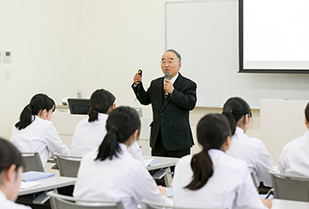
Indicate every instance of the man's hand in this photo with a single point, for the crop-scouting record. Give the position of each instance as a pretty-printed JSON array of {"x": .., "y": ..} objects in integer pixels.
[
  {"x": 168, "y": 86},
  {"x": 137, "y": 79}
]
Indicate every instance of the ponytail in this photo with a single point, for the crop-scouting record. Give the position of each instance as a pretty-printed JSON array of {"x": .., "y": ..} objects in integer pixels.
[
  {"x": 120, "y": 125},
  {"x": 93, "y": 115},
  {"x": 202, "y": 168},
  {"x": 25, "y": 118},
  {"x": 109, "y": 147},
  {"x": 100, "y": 102},
  {"x": 212, "y": 131},
  {"x": 38, "y": 103}
]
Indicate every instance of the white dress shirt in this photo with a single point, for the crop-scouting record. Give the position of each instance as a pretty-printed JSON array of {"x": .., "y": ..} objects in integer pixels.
[
  {"x": 254, "y": 153},
  {"x": 122, "y": 178},
  {"x": 7, "y": 204},
  {"x": 230, "y": 186},
  {"x": 40, "y": 136},
  {"x": 89, "y": 135},
  {"x": 294, "y": 158}
]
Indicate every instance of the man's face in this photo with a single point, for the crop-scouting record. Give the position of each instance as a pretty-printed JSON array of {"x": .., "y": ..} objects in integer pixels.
[{"x": 170, "y": 63}]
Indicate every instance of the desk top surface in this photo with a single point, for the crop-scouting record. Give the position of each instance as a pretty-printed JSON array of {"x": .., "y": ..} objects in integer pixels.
[
  {"x": 289, "y": 204},
  {"x": 164, "y": 162},
  {"x": 48, "y": 184}
]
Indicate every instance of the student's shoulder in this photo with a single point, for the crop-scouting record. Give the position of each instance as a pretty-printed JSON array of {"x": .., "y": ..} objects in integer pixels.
[
  {"x": 184, "y": 161},
  {"x": 294, "y": 143},
  {"x": 13, "y": 205},
  {"x": 232, "y": 163}
]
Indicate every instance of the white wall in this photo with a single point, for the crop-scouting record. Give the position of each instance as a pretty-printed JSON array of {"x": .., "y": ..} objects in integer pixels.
[
  {"x": 45, "y": 40},
  {"x": 60, "y": 46}
]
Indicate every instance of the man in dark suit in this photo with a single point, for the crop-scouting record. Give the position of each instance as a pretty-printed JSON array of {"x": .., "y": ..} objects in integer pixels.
[{"x": 171, "y": 102}]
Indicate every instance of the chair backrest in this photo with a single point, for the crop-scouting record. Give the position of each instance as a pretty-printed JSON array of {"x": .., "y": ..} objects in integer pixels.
[
  {"x": 290, "y": 187},
  {"x": 66, "y": 202},
  {"x": 255, "y": 181},
  {"x": 33, "y": 161},
  {"x": 154, "y": 205},
  {"x": 68, "y": 165}
]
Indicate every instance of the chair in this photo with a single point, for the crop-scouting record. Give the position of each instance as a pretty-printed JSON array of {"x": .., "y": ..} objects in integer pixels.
[
  {"x": 66, "y": 202},
  {"x": 255, "y": 181},
  {"x": 68, "y": 165},
  {"x": 154, "y": 205},
  {"x": 33, "y": 161},
  {"x": 290, "y": 187}
]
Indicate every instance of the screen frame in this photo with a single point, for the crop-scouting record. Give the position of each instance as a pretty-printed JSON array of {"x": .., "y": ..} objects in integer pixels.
[
  {"x": 82, "y": 103},
  {"x": 241, "y": 52}
]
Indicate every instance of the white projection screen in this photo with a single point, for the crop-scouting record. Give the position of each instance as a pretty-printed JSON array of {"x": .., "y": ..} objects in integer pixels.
[{"x": 274, "y": 36}]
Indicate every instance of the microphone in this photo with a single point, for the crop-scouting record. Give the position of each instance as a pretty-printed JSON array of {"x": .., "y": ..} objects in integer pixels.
[{"x": 167, "y": 76}]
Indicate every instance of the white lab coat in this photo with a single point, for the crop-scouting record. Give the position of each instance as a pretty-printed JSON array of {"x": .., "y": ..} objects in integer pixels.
[
  {"x": 7, "y": 204},
  {"x": 122, "y": 178},
  {"x": 230, "y": 186},
  {"x": 254, "y": 153},
  {"x": 89, "y": 135},
  {"x": 40, "y": 136},
  {"x": 294, "y": 158}
]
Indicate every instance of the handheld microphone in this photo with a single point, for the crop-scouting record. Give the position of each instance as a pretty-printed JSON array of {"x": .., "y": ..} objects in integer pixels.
[{"x": 167, "y": 76}]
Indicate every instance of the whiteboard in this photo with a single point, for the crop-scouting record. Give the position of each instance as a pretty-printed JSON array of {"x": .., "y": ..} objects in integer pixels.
[{"x": 206, "y": 35}]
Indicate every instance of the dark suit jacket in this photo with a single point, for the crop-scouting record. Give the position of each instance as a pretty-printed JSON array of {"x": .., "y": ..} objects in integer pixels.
[{"x": 171, "y": 114}]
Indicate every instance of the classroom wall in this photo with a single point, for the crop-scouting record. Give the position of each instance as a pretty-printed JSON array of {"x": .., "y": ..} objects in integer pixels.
[
  {"x": 62, "y": 46},
  {"x": 45, "y": 41}
]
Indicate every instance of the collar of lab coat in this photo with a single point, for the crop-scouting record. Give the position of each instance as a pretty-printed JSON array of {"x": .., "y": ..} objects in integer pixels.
[
  {"x": 102, "y": 116},
  {"x": 239, "y": 131}
]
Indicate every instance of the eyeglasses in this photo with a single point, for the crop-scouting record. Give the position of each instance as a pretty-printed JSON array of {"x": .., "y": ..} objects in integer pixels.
[{"x": 169, "y": 62}]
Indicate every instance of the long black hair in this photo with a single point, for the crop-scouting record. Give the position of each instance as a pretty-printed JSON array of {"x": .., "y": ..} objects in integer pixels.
[
  {"x": 237, "y": 108},
  {"x": 307, "y": 112},
  {"x": 9, "y": 155},
  {"x": 37, "y": 103},
  {"x": 212, "y": 132},
  {"x": 121, "y": 123},
  {"x": 100, "y": 102}
]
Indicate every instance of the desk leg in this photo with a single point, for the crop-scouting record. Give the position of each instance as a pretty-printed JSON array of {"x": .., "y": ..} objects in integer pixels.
[{"x": 168, "y": 177}]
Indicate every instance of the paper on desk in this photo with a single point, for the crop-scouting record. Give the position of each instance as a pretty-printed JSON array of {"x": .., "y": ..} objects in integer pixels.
[
  {"x": 30, "y": 184},
  {"x": 35, "y": 175},
  {"x": 151, "y": 162}
]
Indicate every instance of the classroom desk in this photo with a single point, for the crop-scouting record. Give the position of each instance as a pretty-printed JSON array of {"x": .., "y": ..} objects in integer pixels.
[
  {"x": 49, "y": 184},
  {"x": 165, "y": 162},
  {"x": 289, "y": 204}
]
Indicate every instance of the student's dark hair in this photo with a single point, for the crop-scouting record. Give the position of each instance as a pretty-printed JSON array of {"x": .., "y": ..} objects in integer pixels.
[
  {"x": 38, "y": 102},
  {"x": 237, "y": 107},
  {"x": 175, "y": 52},
  {"x": 307, "y": 112},
  {"x": 121, "y": 123},
  {"x": 100, "y": 102},
  {"x": 212, "y": 132},
  {"x": 9, "y": 155}
]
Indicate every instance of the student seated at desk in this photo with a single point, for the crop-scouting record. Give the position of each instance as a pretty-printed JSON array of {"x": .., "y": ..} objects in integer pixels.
[
  {"x": 243, "y": 147},
  {"x": 89, "y": 132},
  {"x": 112, "y": 173},
  {"x": 34, "y": 132},
  {"x": 294, "y": 158},
  {"x": 11, "y": 168},
  {"x": 212, "y": 179}
]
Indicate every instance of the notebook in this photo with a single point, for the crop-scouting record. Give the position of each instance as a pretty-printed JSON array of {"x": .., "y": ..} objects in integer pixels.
[
  {"x": 36, "y": 175},
  {"x": 151, "y": 162}
]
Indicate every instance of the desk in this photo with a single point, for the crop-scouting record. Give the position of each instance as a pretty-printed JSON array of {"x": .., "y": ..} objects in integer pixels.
[
  {"x": 165, "y": 162},
  {"x": 289, "y": 204},
  {"x": 49, "y": 184}
]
